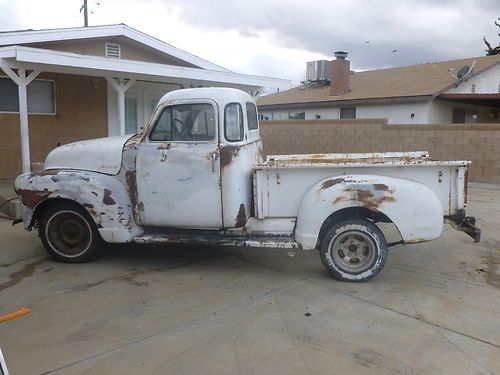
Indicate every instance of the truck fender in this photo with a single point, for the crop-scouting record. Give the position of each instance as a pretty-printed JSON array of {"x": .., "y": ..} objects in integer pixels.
[
  {"x": 104, "y": 197},
  {"x": 414, "y": 208}
]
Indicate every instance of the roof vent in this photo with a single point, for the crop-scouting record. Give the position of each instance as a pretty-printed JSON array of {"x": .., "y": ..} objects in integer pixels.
[{"x": 113, "y": 50}]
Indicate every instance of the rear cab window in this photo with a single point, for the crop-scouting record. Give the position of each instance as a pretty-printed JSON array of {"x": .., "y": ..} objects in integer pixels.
[
  {"x": 253, "y": 123},
  {"x": 233, "y": 123}
]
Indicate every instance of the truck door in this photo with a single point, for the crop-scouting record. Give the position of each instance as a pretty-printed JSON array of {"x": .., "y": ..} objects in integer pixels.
[{"x": 178, "y": 168}]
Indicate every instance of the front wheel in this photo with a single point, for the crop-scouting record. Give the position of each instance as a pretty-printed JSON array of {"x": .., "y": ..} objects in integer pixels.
[
  {"x": 69, "y": 234},
  {"x": 354, "y": 250}
]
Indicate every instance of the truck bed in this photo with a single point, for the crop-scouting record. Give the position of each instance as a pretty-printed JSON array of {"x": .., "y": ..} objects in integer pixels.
[{"x": 281, "y": 181}]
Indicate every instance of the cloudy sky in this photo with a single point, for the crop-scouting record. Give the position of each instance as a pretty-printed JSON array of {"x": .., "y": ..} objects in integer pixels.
[{"x": 277, "y": 37}]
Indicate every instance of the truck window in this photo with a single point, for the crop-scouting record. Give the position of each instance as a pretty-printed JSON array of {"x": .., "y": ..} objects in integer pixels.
[
  {"x": 233, "y": 122},
  {"x": 252, "y": 116},
  {"x": 185, "y": 123}
]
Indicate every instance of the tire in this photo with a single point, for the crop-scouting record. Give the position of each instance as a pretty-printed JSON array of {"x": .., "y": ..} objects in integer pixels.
[
  {"x": 354, "y": 250},
  {"x": 69, "y": 234}
]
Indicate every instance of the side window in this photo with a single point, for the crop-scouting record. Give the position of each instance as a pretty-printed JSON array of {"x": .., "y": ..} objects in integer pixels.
[
  {"x": 163, "y": 129},
  {"x": 252, "y": 116},
  {"x": 233, "y": 122},
  {"x": 185, "y": 123}
]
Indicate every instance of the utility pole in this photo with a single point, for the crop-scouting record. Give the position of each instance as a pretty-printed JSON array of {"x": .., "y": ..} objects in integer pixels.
[{"x": 85, "y": 13}]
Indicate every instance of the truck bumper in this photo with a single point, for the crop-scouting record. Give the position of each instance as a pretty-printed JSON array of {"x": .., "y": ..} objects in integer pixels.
[{"x": 465, "y": 224}]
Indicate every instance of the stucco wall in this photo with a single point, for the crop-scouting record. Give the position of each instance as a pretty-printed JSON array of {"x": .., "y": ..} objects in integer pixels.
[
  {"x": 397, "y": 113},
  {"x": 81, "y": 114},
  {"x": 488, "y": 82},
  {"x": 476, "y": 142},
  {"x": 427, "y": 112}
]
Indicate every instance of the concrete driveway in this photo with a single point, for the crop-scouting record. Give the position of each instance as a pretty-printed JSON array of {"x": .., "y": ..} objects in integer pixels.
[{"x": 435, "y": 308}]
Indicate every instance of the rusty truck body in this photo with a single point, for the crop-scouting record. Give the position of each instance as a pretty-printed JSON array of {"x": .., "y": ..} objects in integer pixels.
[{"x": 198, "y": 174}]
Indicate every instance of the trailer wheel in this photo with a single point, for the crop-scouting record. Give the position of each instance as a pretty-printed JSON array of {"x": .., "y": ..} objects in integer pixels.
[
  {"x": 68, "y": 233},
  {"x": 354, "y": 250}
]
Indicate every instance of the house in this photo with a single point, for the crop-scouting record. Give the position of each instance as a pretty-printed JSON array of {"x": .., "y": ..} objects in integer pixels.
[
  {"x": 432, "y": 93},
  {"x": 63, "y": 85}
]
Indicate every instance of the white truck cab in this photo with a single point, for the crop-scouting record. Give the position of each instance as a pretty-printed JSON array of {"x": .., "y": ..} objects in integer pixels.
[{"x": 198, "y": 174}]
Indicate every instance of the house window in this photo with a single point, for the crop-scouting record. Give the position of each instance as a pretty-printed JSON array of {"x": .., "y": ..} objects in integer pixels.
[
  {"x": 296, "y": 115},
  {"x": 348, "y": 113},
  {"x": 113, "y": 50},
  {"x": 41, "y": 96},
  {"x": 252, "y": 116}
]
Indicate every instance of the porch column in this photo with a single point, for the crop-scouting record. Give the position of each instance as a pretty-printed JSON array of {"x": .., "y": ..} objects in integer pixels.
[
  {"x": 22, "y": 81},
  {"x": 120, "y": 86}
]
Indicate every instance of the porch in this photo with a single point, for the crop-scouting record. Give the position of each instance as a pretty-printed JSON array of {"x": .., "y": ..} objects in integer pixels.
[{"x": 93, "y": 96}]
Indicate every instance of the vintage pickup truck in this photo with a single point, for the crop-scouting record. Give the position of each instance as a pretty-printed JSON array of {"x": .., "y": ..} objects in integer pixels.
[{"x": 198, "y": 174}]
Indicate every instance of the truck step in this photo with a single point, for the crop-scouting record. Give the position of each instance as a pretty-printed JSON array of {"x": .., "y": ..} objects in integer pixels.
[{"x": 216, "y": 239}]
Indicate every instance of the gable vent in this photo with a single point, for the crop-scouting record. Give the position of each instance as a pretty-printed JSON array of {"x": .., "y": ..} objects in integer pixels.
[{"x": 113, "y": 50}]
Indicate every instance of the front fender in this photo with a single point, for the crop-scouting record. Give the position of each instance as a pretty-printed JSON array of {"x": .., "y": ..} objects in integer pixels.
[
  {"x": 104, "y": 197},
  {"x": 413, "y": 207}
]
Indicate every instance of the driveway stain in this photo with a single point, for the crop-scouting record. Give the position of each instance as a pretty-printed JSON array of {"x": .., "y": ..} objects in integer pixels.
[{"x": 17, "y": 277}]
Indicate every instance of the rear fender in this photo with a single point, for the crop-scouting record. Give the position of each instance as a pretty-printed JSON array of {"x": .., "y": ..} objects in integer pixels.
[
  {"x": 104, "y": 197},
  {"x": 413, "y": 207}
]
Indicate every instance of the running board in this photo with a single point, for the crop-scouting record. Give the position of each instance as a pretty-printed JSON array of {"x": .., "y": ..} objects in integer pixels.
[{"x": 280, "y": 242}]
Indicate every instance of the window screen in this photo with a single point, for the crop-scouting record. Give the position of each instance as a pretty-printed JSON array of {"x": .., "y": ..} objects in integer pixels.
[
  {"x": 40, "y": 96},
  {"x": 185, "y": 123},
  {"x": 348, "y": 113},
  {"x": 233, "y": 122},
  {"x": 252, "y": 116}
]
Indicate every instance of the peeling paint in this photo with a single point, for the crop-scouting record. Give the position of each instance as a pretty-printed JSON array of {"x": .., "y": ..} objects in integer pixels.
[
  {"x": 241, "y": 217},
  {"x": 31, "y": 198},
  {"x": 331, "y": 182},
  {"x": 107, "y": 199}
]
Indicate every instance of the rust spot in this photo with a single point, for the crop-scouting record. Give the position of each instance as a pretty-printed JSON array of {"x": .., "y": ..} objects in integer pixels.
[
  {"x": 164, "y": 147},
  {"x": 227, "y": 154},
  {"x": 241, "y": 218},
  {"x": 130, "y": 177},
  {"x": 140, "y": 206},
  {"x": 369, "y": 200},
  {"x": 31, "y": 198},
  {"x": 340, "y": 199},
  {"x": 46, "y": 172},
  {"x": 382, "y": 187},
  {"x": 107, "y": 199},
  {"x": 331, "y": 182}
]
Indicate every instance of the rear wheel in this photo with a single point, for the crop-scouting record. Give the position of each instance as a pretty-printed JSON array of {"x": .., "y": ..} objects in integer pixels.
[
  {"x": 354, "y": 250},
  {"x": 69, "y": 234}
]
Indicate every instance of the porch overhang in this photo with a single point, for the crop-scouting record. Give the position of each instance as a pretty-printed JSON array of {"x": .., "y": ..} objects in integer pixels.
[
  {"x": 487, "y": 100},
  {"x": 71, "y": 63}
]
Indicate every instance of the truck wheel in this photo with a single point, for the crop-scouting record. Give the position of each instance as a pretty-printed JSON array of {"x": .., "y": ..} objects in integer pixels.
[
  {"x": 69, "y": 234},
  {"x": 354, "y": 250}
]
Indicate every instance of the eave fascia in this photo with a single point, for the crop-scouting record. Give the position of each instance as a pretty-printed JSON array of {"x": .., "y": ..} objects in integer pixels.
[{"x": 338, "y": 103}]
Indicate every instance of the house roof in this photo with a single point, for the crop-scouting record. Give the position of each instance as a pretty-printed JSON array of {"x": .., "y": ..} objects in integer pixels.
[
  {"x": 423, "y": 80},
  {"x": 21, "y": 37}
]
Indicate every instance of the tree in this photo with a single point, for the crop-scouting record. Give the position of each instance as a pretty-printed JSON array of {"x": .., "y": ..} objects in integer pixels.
[{"x": 492, "y": 50}]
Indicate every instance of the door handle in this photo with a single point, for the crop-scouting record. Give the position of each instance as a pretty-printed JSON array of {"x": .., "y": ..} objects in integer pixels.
[
  {"x": 163, "y": 156},
  {"x": 215, "y": 155}
]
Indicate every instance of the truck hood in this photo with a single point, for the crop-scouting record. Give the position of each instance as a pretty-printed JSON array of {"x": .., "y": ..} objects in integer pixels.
[{"x": 102, "y": 155}]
